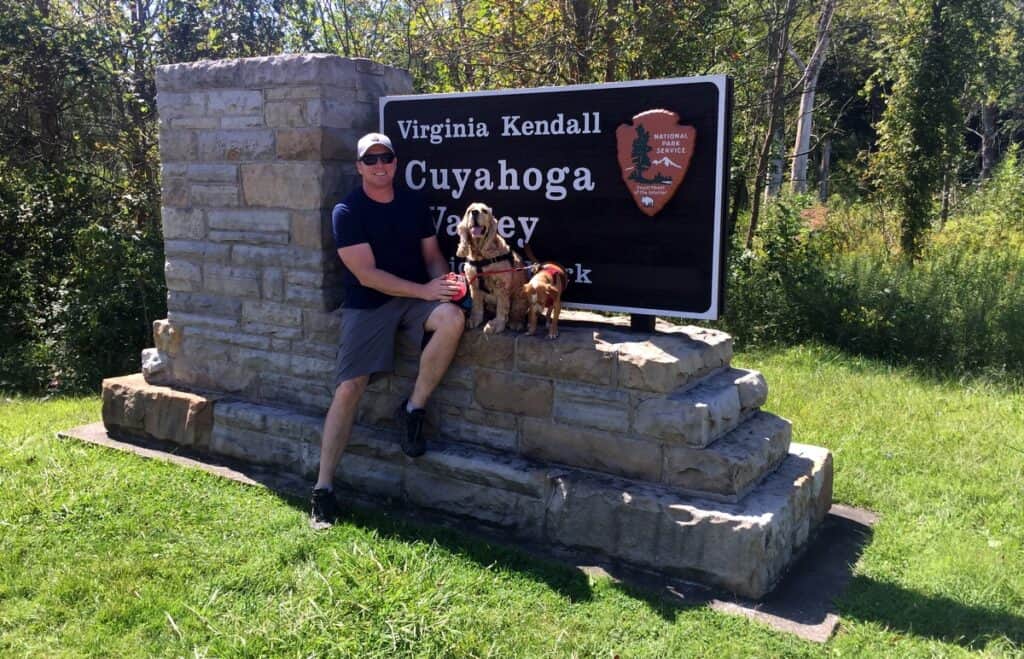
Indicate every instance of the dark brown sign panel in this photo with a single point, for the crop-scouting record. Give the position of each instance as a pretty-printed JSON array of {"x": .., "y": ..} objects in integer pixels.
[{"x": 624, "y": 184}]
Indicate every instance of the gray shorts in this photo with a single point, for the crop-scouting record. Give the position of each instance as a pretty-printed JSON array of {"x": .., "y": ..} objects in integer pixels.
[{"x": 367, "y": 343}]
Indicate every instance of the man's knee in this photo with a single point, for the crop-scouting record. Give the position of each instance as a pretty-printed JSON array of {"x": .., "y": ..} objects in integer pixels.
[
  {"x": 350, "y": 391},
  {"x": 449, "y": 319}
]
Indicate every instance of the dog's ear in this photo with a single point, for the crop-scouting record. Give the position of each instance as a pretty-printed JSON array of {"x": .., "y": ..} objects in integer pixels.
[{"x": 463, "y": 248}]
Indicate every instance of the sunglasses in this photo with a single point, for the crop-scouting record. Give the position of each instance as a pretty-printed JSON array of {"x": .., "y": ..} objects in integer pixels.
[{"x": 372, "y": 158}]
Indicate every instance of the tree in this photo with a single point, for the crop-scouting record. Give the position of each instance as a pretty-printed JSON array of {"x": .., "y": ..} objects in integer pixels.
[{"x": 805, "y": 117}]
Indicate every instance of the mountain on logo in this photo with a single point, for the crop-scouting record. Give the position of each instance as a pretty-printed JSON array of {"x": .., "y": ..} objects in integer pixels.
[{"x": 667, "y": 162}]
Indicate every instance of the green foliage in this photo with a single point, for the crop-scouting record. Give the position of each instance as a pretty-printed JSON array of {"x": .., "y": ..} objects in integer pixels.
[
  {"x": 959, "y": 309},
  {"x": 80, "y": 282}
]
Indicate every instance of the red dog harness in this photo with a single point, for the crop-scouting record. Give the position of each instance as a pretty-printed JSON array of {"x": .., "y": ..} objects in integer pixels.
[{"x": 553, "y": 270}]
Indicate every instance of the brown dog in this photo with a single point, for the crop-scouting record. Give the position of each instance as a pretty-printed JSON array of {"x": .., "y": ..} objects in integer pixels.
[
  {"x": 544, "y": 293},
  {"x": 495, "y": 273}
]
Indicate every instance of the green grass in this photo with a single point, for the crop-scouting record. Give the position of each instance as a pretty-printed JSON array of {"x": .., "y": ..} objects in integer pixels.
[{"x": 103, "y": 553}]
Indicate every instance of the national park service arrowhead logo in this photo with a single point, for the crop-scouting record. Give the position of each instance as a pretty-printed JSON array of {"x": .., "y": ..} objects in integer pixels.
[{"x": 654, "y": 154}]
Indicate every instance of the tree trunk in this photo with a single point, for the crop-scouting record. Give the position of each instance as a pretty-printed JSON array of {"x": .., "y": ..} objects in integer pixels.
[
  {"x": 778, "y": 57},
  {"x": 611, "y": 66},
  {"x": 805, "y": 122},
  {"x": 776, "y": 164},
  {"x": 824, "y": 169},
  {"x": 988, "y": 139}
]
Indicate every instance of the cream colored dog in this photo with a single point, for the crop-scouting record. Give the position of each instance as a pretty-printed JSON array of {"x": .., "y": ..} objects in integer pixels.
[{"x": 493, "y": 270}]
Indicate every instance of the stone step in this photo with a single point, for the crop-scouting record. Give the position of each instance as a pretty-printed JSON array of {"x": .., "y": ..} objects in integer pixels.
[
  {"x": 697, "y": 415},
  {"x": 742, "y": 546}
]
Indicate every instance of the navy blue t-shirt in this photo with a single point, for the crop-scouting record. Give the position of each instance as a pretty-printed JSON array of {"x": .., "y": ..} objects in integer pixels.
[{"x": 394, "y": 232}]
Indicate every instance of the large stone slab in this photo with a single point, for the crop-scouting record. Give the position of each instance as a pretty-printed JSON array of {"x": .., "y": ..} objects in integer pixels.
[
  {"x": 731, "y": 466},
  {"x": 133, "y": 406},
  {"x": 744, "y": 547},
  {"x": 699, "y": 415}
]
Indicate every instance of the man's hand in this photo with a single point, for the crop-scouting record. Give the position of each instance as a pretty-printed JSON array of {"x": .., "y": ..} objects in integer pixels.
[{"x": 441, "y": 288}]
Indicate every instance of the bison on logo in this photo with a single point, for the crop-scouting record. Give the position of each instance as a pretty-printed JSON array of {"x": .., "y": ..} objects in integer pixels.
[{"x": 654, "y": 154}]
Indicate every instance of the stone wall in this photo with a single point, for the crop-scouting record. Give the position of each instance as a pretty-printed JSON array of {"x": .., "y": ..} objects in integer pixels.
[{"x": 255, "y": 153}]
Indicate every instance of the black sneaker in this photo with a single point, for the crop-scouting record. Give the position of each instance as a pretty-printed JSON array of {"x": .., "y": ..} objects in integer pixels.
[
  {"x": 325, "y": 509},
  {"x": 413, "y": 443}
]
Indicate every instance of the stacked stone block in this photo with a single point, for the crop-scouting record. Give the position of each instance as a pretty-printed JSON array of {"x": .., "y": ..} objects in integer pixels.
[
  {"x": 645, "y": 448},
  {"x": 255, "y": 153}
]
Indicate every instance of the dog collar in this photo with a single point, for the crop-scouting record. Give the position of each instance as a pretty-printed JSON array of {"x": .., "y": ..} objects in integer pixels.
[{"x": 496, "y": 259}]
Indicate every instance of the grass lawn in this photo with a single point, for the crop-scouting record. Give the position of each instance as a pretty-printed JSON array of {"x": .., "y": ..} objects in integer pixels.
[{"x": 103, "y": 553}]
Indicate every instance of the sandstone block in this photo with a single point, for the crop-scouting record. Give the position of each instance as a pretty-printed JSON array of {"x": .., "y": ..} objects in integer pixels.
[
  {"x": 322, "y": 327},
  {"x": 197, "y": 250},
  {"x": 294, "y": 185},
  {"x": 273, "y": 284},
  {"x": 174, "y": 192},
  {"x": 236, "y": 145},
  {"x": 734, "y": 464},
  {"x": 292, "y": 93},
  {"x": 501, "y": 472},
  {"x": 259, "y": 360},
  {"x": 166, "y": 336},
  {"x": 591, "y": 449},
  {"x": 154, "y": 363},
  {"x": 378, "y": 409},
  {"x": 231, "y": 282},
  {"x": 173, "y": 105},
  {"x": 206, "y": 173},
  {"x": 214, "y": 195},
  {"x": 578, "y": 354},
  {"x": 133, "y": 406},
  {"x": 271, "y": 313},
  {"x": 182, "y": 275},
  {"x": 201, "y": 123},
  {"x": 510, "y": 392},
  {"x": 177, "y": 145},
  {"x": 487, "y": 350},
  {"x": 753, "y": 390},
  {"x": 249, "y": 237},
  {"x": 261, "y": 448},
  {"x": 263, "y": 255},
  {"x": 291, "y": 113},
  {"x": 377, "y": 477},
  {"x": 661, "y": 363},
  {"x": 188, "y": 224},
  {"x": 495, "y": 506},
  {"x": 312, "y": 367},
  {"x": 247, "y": 121},
  {"x": 234, "y": 102},
  {"x": 311, "y": 229},
  {"x": 305, "y": 395},
  {"x": 189, "y": 320},
  {"x": 591, "y": 407},
  {"x": 249, "y": 220},
  {"x": 274, "y": 332},
  {"x": 202, "y": 304},
  {"x": 237, "y": 414},
  {"x": 695, "y": 416},
  {"x": 231, "y": 337},
  {"x": 477, "y": 427}
]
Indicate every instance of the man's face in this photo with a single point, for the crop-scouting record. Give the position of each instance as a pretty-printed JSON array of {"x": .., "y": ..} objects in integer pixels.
[{"x": 378, "y": 175}]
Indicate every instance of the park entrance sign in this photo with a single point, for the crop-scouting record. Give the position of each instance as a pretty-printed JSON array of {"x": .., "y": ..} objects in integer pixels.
[{"x": 624, "y": 184}]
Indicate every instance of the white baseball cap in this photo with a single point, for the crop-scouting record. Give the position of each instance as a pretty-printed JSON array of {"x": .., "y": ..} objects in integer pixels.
[{"x": 368, "y": 140}]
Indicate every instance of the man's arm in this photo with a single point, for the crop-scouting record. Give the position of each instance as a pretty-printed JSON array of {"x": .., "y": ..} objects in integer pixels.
[
  {"x": 437, "y": 266},
  {"x": 360, "y": 261}
]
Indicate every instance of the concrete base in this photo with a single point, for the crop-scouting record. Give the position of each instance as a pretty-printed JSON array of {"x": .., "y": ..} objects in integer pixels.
[{"x": 743, "y": 547}]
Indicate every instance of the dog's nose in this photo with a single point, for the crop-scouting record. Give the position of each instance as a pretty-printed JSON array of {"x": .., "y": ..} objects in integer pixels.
[{"x": 474, "y": 213}]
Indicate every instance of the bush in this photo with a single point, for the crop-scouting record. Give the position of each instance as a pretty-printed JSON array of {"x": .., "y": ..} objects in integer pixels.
[
  {"x": 960, "y": 309},
  {"x": 80, "y": 280}
]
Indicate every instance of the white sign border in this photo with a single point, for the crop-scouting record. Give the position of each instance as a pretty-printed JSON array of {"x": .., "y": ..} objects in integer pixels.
[{"x": 720, "y": 82}]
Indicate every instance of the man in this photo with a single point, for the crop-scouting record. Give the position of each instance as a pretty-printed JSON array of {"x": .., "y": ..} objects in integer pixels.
[{"x": 394, "y": 285}]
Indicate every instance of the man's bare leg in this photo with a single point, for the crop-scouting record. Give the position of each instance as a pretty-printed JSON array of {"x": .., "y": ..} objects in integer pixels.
[
  {"x": 338, "y": 427},
  {"x": 447, "y": 323}
]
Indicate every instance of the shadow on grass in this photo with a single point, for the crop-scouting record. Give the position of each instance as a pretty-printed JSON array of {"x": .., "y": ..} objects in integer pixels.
[{"x": 932, "y": 616}]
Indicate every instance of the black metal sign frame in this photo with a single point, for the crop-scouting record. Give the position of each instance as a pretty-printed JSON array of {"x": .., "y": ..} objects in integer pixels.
[{"x": 633, "y": 210}]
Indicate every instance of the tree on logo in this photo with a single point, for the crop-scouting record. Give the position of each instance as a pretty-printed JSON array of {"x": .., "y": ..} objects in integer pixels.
[
  {"x": 640, "y": 160},
  {"x": 640, "y": 148}
]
